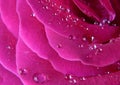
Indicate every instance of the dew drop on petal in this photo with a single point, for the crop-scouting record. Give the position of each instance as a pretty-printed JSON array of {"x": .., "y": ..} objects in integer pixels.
[
  {"x": 84, "y": 39},
  {"x": 22, "y": 71},
  {"x": 59, "y": 46},
  {"x": 70, "y": 79},
  {"x": 40, "y": 78},
  {"x": 68, "y": 76}
]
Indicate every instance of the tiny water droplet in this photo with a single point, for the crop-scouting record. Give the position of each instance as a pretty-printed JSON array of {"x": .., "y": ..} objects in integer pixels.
[
  {"x": 100, "y": 24},
  {"x": 40, "y": 78},
  {"x": 59, "y": 46},
  {"x": 84, "y": 38},
  {"x": 71, "y": 37},
  {"x": 33, "y": 14},
  {"x": 92, "y": 38},
  {"x": 70, "y": 79},
  {"x": 83, "y": 78},
  {"x": 8, "y": 47},
  {"x": 68, "y": 76},
  {"x": 22, "y": 71},
  {"x": 81, "y": 46},
  {"x": 68, "y": 10}
]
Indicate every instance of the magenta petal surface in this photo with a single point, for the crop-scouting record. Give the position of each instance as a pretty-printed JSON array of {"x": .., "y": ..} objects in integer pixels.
[
  {"x": 8, "y": 78},
  {"x": 65, "y": 28},
  {"x": 32, "y": 31},
  {"x": 26, "y": 59},
  {"x": 34, "y": 63},
  {"x": 9, "y": 15},
  {"x": 7, "y": 48}
]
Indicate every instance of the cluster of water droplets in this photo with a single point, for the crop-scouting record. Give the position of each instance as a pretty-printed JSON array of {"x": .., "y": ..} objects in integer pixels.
[
  {"x": 74, "y": 80},
  {"x": 37, "y": 77}
]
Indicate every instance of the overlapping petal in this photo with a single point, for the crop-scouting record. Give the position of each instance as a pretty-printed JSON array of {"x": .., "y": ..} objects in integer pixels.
[{"x": 9, "y": 15}]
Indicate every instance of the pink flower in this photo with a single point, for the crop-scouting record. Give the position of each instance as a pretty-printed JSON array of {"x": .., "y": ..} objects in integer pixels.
[{"x": 59, "y": 42}]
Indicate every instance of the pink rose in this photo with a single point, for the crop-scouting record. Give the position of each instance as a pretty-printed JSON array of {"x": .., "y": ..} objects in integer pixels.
[{"x": 59, "y": 42}]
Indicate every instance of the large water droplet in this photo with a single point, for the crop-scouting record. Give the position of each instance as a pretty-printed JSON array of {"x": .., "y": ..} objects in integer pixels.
[{"x": 40, "y": 78}]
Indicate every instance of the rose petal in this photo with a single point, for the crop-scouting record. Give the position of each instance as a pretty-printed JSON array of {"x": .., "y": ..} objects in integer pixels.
[
  {"x": 96, "y": 9},
  {"x": 8, "y": 78},
  {"x": 35, "y": 65},
  {"x": 7, "y": 48},
  {"x": 68, "y": 23},
  {"x": 9, "y": 15},
  {"x": 32, "y": 31},
  {"x": 26, "y": 59},
  {"x": 102, "y": 35}
]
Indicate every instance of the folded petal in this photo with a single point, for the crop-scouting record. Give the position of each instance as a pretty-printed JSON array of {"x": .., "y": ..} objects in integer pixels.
[
  {"x": 32, "y": 31},
  {"x": 34, "y": 70}
]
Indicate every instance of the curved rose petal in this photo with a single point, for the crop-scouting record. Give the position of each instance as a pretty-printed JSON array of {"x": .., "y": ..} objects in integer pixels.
[
  {"x": 98, "y": 55},
  {"x": 116, "y": 7},
  {"x": 35, "y": 66},
  {"x": 7, "y": 78},
  {"x": 67, "y": 23},
  {"x": 109, "y": 54},
  {"x": 110, "y": 79},
  {"x": 94, "y": 8},
  {"x": 32, "y": 31},
  {"x": 108, "y": 6},
  {"x": 9, "y": 15},
  {"x": 34, "y": 70},
  {"x": 7, "y": 48},
  {"x": 80, "y": 32}
]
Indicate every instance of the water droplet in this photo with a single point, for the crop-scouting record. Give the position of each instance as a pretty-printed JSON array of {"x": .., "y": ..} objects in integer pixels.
[
  {"x": 95, "y": 46},
  {"x": 98, "y": 51},
  {"x": 71, "y": 37},
  {"x": 70, "y": 79},
  {"x": 68, "y": 76},
  {"x": 83, "y": 19},
  {"x": 81, "y": 46},
  {"x": 107, "y": 72},
  {"x": 114, "y": 24},
  {"x": 46, "y": 7},
  {"x": 33, "y": 14},
  {"x": 83, "y": 78},
  {"x": 100, "y": 24},
  {"x": 96, "y": 23},
  {"x": 73, "y": 81},
  {"x": 92, "y": 38},
  {"x": 8, "y": 47},
  {"x": 68, "y": 10},
  {"x": 59, "y": 46},
  {"x": 84, "y": 38},
  {"x": 22, "y": 71},
  {"x": 40, "y": 78}
]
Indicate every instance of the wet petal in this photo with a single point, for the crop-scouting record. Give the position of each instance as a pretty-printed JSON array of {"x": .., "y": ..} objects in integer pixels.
[
  {"x": 7, "y": 48},
  {"x": 32, "y": 31}
]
